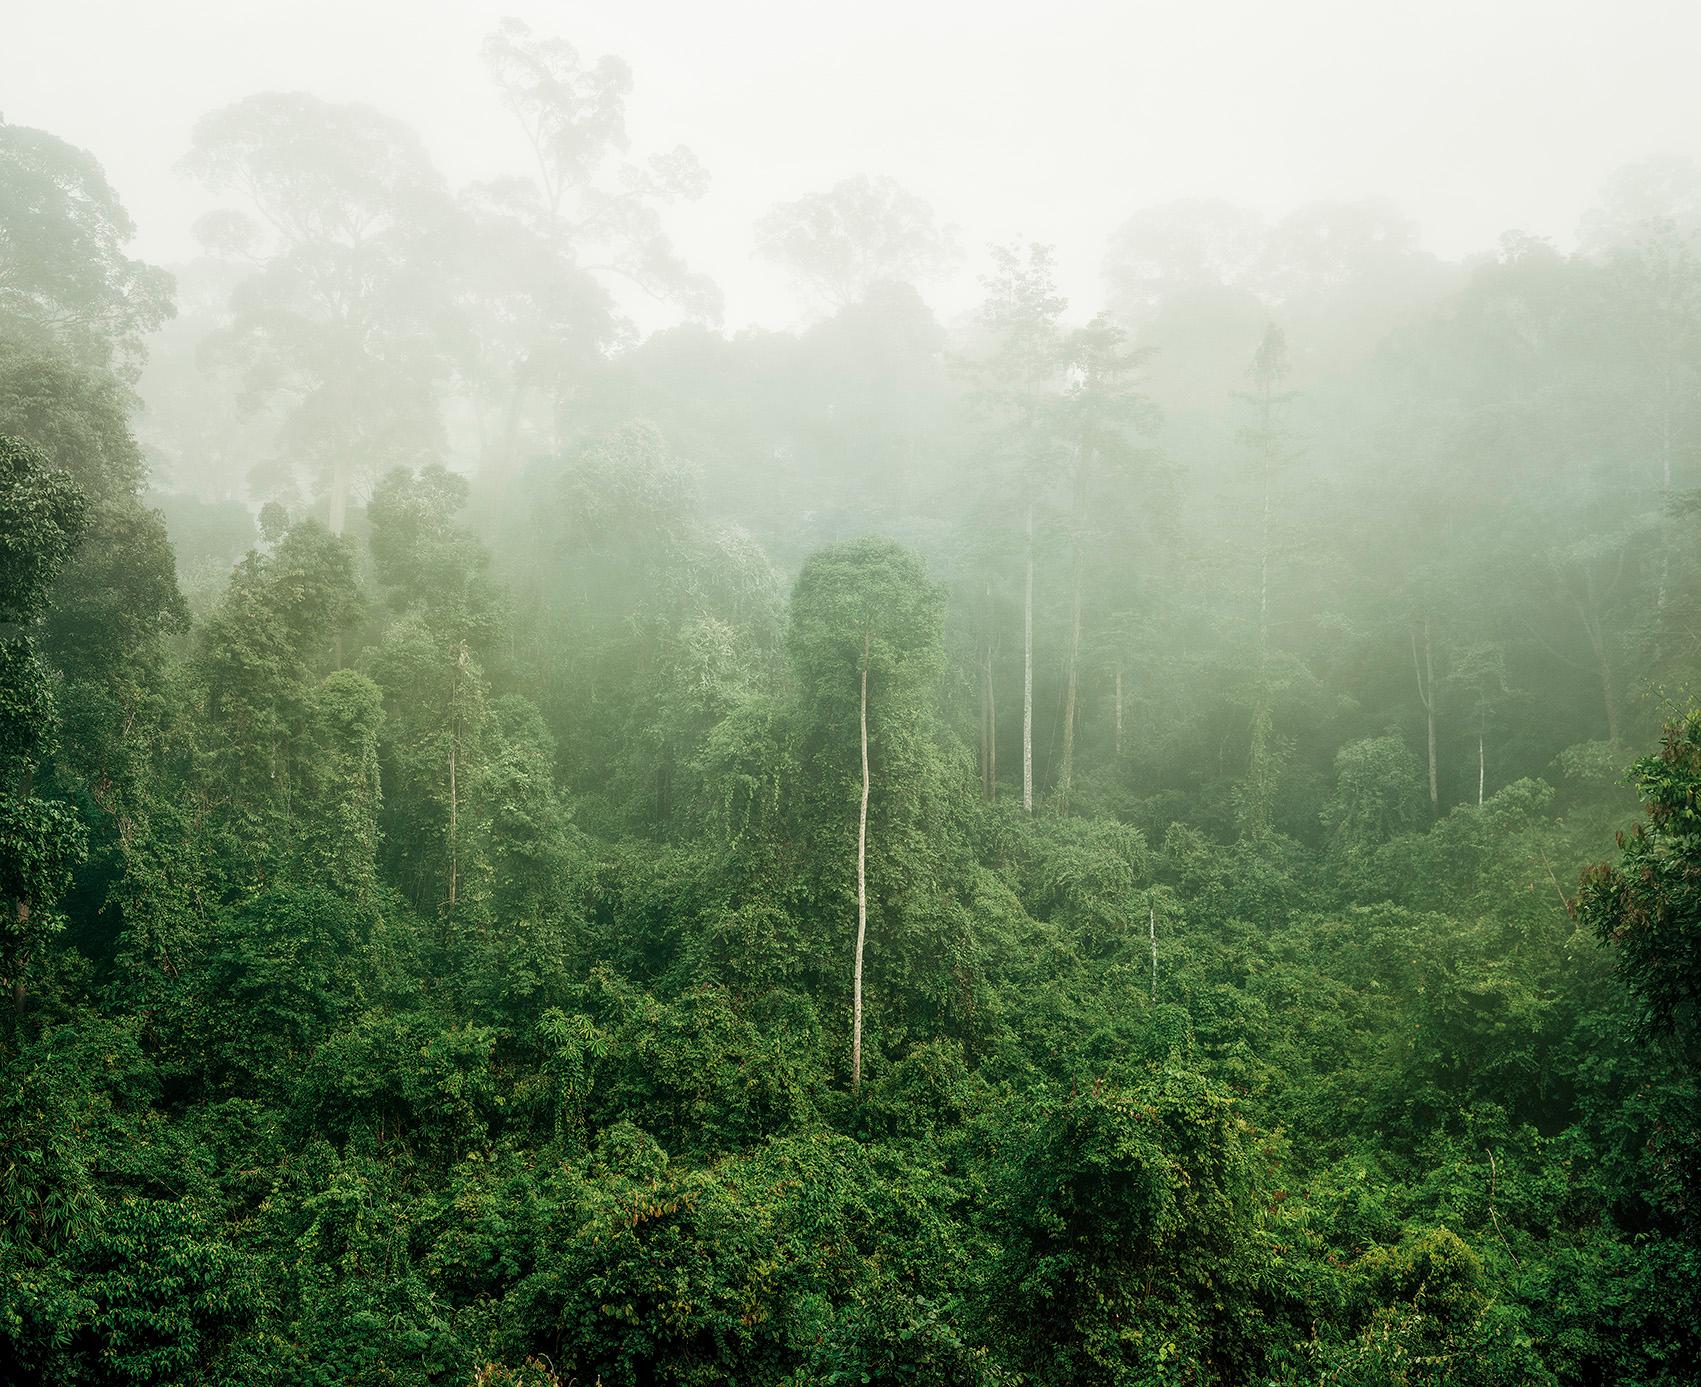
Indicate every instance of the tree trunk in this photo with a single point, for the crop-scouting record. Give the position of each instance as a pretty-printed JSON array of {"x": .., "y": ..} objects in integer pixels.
[
  {"x": 1152, "y": 925},
  {"x": 861, "y": 889},
  {"x": 1028, "y": 673},
  {"x": 454, "y": 789},
  {"x": 1586, "y": 613},
  {"x": 338, "y": 518},
  {"x": 1078, "y": 560},
  {"x": 1119, "y": 712},
  {"x": 1066, "y": 774},
  {"x": 1426, "y": 695},
  {"x": 453, "y": 800},
  {"x": 985, "y": 742},
  {"x": 1481, "y": 772},
  {"x": 1609, "y": 694}
]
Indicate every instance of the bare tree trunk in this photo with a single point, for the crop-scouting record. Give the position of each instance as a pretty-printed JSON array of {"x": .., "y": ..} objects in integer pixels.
[
  {"x": 861, "y": 889},
  {"x": 985, "y": 741},
  {"x": 1028, "y": 673},
  {"x": 1426, "y": 695},
  {"x": 453, "y": 799},
  {"x": 338, "y": 518},
  {"x": 1066, "y": 775},
  {"x": 1603, "y": 662},
  {"x": 1119, "y": 712},
  {"x": 1481, "y": 771},
  {"x": 1152, "y": 925},
  {"x": 1078, "y": 559},
  {"x": 454, "y": 789},
  {"x": 1609, "y": 694}
]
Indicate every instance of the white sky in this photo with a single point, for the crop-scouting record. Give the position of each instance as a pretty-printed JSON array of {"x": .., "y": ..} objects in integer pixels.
[{"x": 1048, "y": 120}]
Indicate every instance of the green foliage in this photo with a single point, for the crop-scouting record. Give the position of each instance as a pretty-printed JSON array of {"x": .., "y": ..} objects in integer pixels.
[
  {"x": 433, "y": 962},
  {"x": 1649, "y": 906}
]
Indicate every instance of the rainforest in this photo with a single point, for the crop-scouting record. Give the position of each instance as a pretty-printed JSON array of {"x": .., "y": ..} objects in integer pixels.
[{"x": 1000, "y": 825}]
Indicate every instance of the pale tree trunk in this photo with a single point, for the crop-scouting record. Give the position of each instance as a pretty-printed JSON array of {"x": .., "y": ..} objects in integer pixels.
[
  {"x": 1119, "y": 712},
  {"x": 1588, "y": 615},
  {"x": 985, "y": 781},
  {"x": 1066, "y": 771},
  {"x": 1152, "y": 925},
  {"x": 1028, "y": 673},
  {"x": 1482, "y": 774},
  {"x": 861, "y": 889},
  {"x": 1066, "y": 774},
  {"x": 988, "y": 712},
  {"x": 455, "y": 728},
  {"x": 1426, "y": 695},
  {"x": 338, "y": 518}
]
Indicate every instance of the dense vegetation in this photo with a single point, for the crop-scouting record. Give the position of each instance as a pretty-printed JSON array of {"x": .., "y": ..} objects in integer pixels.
[{"x": 433, "y": 908}]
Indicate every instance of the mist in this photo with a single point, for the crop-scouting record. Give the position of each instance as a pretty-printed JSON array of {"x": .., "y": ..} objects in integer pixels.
[{"x": 942, "y": 694}]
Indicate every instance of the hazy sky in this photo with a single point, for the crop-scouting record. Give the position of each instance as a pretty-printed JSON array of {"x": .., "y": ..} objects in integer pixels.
[{"x": 1048, "y": 120}]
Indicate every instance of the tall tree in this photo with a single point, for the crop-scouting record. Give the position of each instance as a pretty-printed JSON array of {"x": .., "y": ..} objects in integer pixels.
[
  {"x": 341, "y": 323},
  {"x": 1270, "y": 443},
  {"x": 547, "y": 253},
  {"x": 65, "y": 282},
  {"x": 42, "y": 518},
  {"x": 865, "y": 636},
  {"x": 1101, "y": 417},
  {"x": 859, "y": 233},
  {"x": 1019, "y": 370}
]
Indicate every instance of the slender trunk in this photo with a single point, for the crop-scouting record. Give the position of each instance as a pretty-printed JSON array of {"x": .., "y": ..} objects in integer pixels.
[
  {"x": 1264, "y": 561},
  {"x": 452, "y": 826},
  {"x": 861, "y": 889},
  {"x": 1152, "y": 925},
  {"x": 1425, "y": 673},
  {"x": 454, "y": 790},
  {"x": 985, "y": 742},
  {"x": 338, "y": 519},
  {"x": 1028, "y": 673},
  {"x": 511, "y": 426},
  {"x": 1434, "y": 792},
  {"x": 1481, "y": 771},
  {"x": 1066, "y": 775},
  {"x": 1665, "y": 515},
  {"x": 1603, "y": 662},
  {"x": 1119, "y": 712},
  {"x": 1609, "y": 694},
  {"x": 1083, "y": 465}
]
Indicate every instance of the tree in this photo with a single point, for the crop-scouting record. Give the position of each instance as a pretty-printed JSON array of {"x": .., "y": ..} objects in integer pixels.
[
  {"x": 341, "y": 323},
  {"x": 259, "y": 658},
  {"x": 1480, "y": 670},
  {"x": 861, "y": 232},
  {"x": 1101, "y": 416},
  {"x": 341, "y": 793},
  {"x": 42, "y": 519},
  {"x": 1377, "y": 788},
  {"x": 1019, "y": 372},
  {"x": 865, "y": 617},
  {"x": 1131, "y": 1213},
  {"x": 429, "y": 562},
  {"x": 1269, "y": 439},
  {"x": 65, "y": 281},
  {"x": 1648, "y": 905}
]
